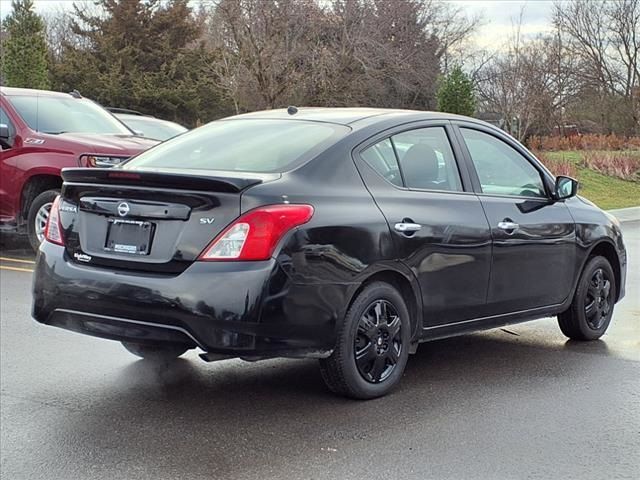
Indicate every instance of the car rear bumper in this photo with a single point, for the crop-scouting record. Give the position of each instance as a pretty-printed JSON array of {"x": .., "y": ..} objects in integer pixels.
[{"x": 232, "y": 308}]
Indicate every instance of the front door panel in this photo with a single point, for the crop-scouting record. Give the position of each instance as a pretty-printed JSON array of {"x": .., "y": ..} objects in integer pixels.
[
  {"x": 533, "y": 264},
  {"x": 533, "y": 236}
]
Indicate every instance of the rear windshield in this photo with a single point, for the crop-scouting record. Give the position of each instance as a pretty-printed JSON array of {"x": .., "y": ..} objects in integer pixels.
[
  {"x": 248, "y": 145},
  {"x": 61, "y": 115}
]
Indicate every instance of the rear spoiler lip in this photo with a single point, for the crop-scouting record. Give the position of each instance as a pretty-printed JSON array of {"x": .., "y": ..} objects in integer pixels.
[{"x": 142, "y": 178}]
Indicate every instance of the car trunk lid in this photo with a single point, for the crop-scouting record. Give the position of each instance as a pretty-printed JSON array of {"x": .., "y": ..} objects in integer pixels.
[{"x": 149, "y": 220}]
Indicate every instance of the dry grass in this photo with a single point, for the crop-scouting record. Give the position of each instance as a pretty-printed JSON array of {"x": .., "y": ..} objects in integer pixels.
[
  {"x": 584, "y": 142},
  {"x": 605, "y": 190},
  {"x": 615, "y": 164},
  {"x": 558, "y": 165}
]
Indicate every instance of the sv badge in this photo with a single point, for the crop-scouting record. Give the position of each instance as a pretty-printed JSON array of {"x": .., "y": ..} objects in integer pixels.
[{"x": 207, "y": 220}]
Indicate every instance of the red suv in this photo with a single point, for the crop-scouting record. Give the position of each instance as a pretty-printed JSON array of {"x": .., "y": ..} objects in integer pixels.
[{"x": 41, "y": 133}]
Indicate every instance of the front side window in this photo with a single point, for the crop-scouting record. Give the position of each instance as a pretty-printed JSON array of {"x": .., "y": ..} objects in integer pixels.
[
  {"x": 248, "y": 145},
  {"x": 56, "y": 115},
  {"x": 5, "y": 120},
  {"x": 501, "y": 169},
  {"x": 426, "y": 159},
  {"x": 6, "y": 143}
]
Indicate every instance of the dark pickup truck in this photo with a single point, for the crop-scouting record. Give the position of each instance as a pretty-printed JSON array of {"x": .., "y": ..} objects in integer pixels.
[{"x": 42, "y": 132}]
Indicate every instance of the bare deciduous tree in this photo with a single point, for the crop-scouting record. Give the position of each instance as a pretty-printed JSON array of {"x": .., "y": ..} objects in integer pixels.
[
  {"x": 338, "y": 52},
  {"x": 604, "y": 36},
  {"x": 529, "y": 84}
]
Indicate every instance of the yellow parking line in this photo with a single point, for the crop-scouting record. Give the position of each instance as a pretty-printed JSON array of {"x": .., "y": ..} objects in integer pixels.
[
  {"x": 17, "y": 260},
  {"x": 15, "y": 269}
]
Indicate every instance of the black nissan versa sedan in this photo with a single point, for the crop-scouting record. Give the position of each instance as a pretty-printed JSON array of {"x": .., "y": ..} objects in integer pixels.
[{"x": 348, "y": 235}]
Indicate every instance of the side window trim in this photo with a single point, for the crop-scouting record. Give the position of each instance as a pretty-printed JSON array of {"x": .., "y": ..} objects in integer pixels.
[
  {"x": 475, "y": 179},
  {"x": 369, "y": 164},
  {"x": 395, "y": 153},
  {"x": 466, "y": 178}
]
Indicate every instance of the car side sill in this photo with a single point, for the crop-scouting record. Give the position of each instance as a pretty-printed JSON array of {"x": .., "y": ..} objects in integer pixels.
[{"x": 486, "y": 323}]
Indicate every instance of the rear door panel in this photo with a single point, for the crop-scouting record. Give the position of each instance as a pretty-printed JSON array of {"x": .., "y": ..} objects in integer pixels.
[{"x": 451, "y": 253}]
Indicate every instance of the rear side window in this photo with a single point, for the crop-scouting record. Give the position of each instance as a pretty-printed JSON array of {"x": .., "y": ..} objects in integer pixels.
[
  {"x": 426, "y": 159},
  {"x": 383, "y": 160},
  {"x": 249, "y": 145}
]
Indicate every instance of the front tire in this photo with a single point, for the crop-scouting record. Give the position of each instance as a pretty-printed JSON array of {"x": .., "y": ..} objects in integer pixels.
[
  {"x": 157, "y": 352},
  {"x": 590, "y": 312},
  {"x": 38, "y": 215},
  {"x": 372, "y": 346}
]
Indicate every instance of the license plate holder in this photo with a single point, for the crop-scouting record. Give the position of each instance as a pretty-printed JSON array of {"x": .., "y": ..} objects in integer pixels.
[{"x": 132, "y": 237}]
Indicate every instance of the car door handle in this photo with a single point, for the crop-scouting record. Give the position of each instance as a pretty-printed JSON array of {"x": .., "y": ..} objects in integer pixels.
[
  {"x": 507, "y": 225},
  {"x": 407, "y": 227}
]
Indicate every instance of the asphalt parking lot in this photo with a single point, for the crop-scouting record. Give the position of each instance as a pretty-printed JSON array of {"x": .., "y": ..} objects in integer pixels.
[{"x": 504, "y": 404}]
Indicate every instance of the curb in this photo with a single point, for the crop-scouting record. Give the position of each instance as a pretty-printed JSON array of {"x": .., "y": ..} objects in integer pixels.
[{"x": 630, "y": 214}]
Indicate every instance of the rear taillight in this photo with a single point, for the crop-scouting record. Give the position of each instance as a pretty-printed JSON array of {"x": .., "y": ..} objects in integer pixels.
[
  {"x": 254, "y": 235},
  {"x": 53, "y": 229}
]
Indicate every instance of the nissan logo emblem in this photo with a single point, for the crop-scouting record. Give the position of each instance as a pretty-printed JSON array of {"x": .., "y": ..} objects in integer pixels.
[{"x": 123, "y": 209}]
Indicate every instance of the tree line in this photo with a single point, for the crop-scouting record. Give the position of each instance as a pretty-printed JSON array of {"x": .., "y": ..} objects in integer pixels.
[{"x": 196, "y": 62}]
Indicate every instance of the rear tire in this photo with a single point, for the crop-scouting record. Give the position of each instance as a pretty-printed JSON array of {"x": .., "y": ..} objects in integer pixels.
[
  {"x": 590, "y": 312},
  {"x": 376, "y": 330},
  {"x": 37, "y": 217},
  {"x": 159, "y": 353}
]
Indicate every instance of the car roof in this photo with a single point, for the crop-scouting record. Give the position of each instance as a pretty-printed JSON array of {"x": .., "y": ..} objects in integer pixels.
[
  {"x": 347, "y": 116},
  {"x": 14, "y": 92}
]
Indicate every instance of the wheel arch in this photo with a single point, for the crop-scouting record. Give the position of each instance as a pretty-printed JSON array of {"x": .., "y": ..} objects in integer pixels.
[
  {"x": 604, "y": 248},
  {"x": 34, "y": 186},
  {"x": 406, "y": 284}
]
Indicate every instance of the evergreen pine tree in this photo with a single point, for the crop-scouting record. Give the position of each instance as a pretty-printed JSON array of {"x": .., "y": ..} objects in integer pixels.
[
  {"x": 456, "y": 95},
  {"x": 24, "y": 59}
]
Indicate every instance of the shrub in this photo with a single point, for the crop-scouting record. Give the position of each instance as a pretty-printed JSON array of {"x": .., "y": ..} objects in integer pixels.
[
  {"x": 584, "y": 142},
  {"x": 560, "y": 166},
  {"x": 614, "y": 164}
]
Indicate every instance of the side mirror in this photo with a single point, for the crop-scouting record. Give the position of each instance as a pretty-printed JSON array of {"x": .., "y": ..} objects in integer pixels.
[
  {"x": 4, "y": 132},
  {"x": 138, "y": 133},
  {"x": 565, "y": 187}
]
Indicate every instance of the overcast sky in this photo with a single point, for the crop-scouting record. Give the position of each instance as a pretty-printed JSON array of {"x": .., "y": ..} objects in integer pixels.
[{"x": 498, "y": 15}]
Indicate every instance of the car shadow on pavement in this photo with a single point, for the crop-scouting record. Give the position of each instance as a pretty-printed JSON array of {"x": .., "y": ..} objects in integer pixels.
[{"x": 278, "y": 411}]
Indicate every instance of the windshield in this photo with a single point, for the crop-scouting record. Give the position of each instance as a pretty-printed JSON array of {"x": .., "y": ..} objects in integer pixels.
[
  {"x": 153, "y": 128},
  {"x": 250, "y": 145},
  {"x": 61, "y": 115}
]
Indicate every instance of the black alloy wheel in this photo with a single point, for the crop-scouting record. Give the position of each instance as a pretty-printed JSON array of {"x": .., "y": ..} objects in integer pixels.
[
  {"x": 591, "y": 309},
  {"x": 378, "y": 341},
  {"x": 372, "y": 346},
  {"x": 597, "y": 303}
]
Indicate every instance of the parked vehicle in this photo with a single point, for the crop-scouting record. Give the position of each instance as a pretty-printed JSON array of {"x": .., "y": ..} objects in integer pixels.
[
  {"x": 42, "y": 132},
  {"x": 349, "y": 235},
  {"x": 148, "y": 126}
]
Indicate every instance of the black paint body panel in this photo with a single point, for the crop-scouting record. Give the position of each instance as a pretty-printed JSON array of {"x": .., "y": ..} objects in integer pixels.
[{"x": 458, "y": 274}]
